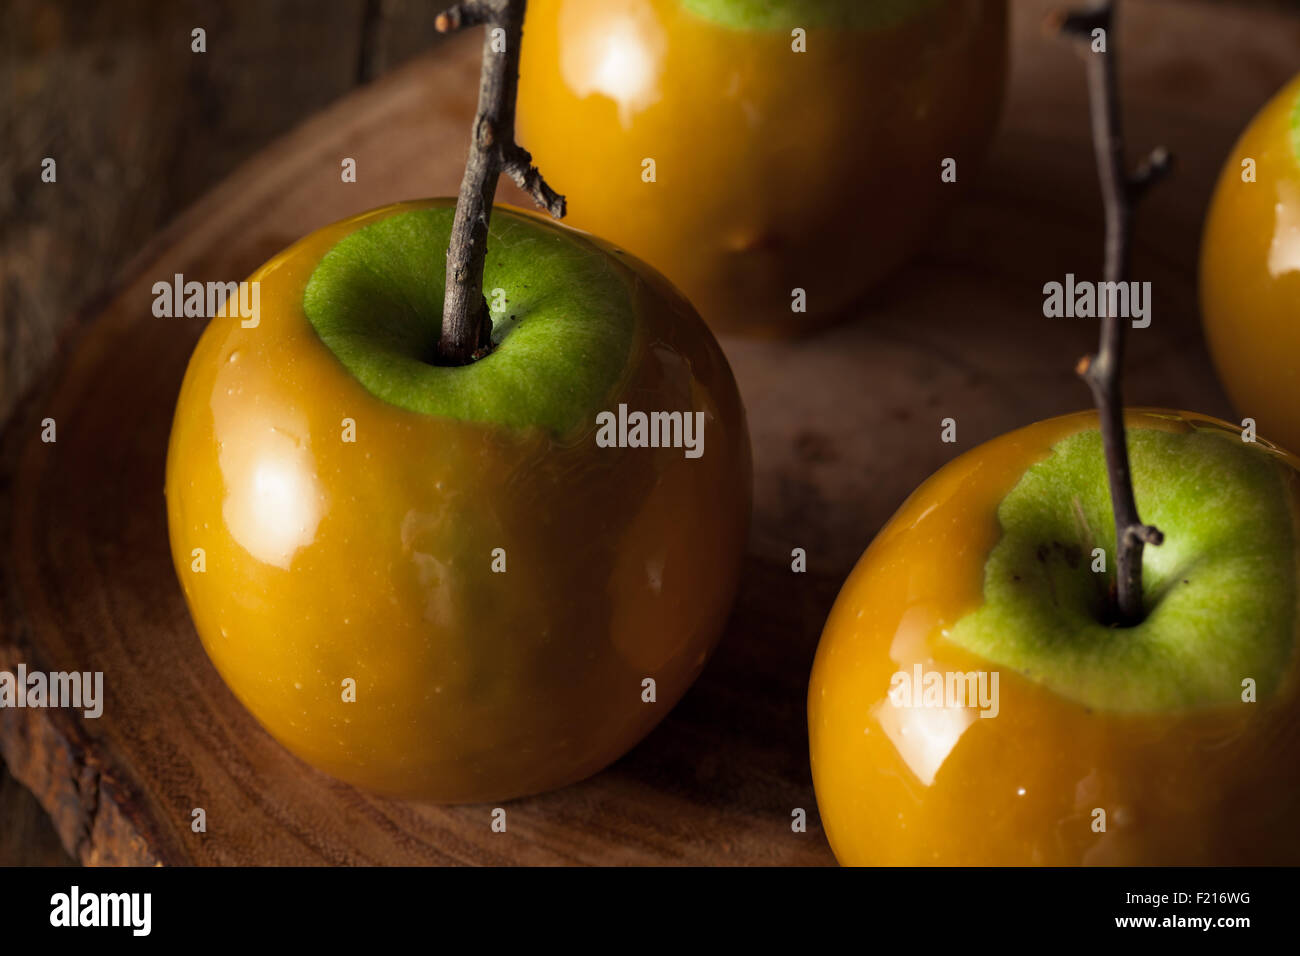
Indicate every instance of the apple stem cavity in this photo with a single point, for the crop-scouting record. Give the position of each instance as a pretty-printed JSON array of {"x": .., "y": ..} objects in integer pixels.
[
  {"x": 466, "y": 321},
  {"x": 1102, "y": 372}
]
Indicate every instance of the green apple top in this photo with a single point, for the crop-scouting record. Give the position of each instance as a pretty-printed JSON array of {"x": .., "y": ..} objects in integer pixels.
[
  {"x": 1219, "y": 593},
  {"x": 809, "y": 14},
  {"x": 562, "y": 319}
]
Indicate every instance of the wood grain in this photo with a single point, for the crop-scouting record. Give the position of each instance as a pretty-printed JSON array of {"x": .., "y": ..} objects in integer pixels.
[
  {"x": 141, "y": 126},
  {"x": 26, "y": 838},
  {"x": 844, "y": 426},
  {"x": 112, "y": 91}
]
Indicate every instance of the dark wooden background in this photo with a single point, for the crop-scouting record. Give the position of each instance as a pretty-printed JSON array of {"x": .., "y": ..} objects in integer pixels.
[{"x": 141, "y": 127}]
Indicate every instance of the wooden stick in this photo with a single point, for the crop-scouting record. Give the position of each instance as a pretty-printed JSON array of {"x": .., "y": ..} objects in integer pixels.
[
  {"x": 466, "y": 321},
  {"x": 1103, "y": 371}
]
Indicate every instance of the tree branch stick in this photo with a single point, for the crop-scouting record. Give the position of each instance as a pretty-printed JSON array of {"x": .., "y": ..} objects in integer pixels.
[
  {"x": 466, "y": 322},
  {"x": 1103, "y": 371}
]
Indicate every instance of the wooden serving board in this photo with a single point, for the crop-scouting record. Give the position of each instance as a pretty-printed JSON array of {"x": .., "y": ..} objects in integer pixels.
[{"x": 844, "y": 426}]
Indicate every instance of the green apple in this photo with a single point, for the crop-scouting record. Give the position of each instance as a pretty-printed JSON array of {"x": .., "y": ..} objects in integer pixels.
[
  {"x": 1219, "y": 594},
  {"x": 972, "y": 701},
  {"x": 560, "y": 339},
  {"x": 724, "y": 147},
  {"x": 433, "y": 581},
  {"x": 809, "y": 14}
]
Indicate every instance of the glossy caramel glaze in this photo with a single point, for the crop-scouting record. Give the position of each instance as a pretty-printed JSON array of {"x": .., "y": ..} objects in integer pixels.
[
  {"x": 774, "y": 170},
  {"x": 1250, "y": 272},
  {"x": 371, "y": 560},
  {"x": 944, "y": 786}
]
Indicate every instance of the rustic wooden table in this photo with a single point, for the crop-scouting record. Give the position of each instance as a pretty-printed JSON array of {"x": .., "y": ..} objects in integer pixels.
[
  {"x": 142, "y": 127},
  {"x": 844, "y": 426}
]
